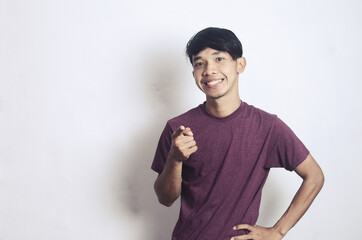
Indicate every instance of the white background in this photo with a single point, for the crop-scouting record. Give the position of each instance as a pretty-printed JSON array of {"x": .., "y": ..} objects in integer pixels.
[{"x": 87, "y": 86}]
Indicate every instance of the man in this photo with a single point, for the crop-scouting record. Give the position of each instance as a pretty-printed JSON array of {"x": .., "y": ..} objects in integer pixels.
[{"x": 217, "y": 156}]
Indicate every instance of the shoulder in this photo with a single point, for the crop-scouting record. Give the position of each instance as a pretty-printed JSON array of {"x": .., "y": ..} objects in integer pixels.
[
  {"x": 268, "y": 122},
  {"x": 259, "y": 116}
]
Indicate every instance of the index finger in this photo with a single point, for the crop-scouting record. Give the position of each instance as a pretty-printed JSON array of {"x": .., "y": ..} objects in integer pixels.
[
  {"x": 178, "y": 131},
  {"x": 187, "y": 132}
]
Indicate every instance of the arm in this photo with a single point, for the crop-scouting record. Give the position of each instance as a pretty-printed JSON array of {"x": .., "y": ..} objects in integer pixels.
[
  {"x": 313, "y": 180},
  {"x": 168, "y": 183}
]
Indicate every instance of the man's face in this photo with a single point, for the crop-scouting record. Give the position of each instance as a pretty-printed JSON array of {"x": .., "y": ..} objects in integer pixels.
[{"x": 216, "y": 73}]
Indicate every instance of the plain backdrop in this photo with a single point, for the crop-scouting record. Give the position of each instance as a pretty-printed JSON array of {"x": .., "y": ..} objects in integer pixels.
[{"x": 86, "y": 88}]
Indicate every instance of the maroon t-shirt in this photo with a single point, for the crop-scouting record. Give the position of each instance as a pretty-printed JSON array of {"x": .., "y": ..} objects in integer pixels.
[{"x": 222, "y": 182}]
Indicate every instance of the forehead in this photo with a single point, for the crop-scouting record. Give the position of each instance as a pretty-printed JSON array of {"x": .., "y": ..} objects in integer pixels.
[{"x": 207, "y": 52}]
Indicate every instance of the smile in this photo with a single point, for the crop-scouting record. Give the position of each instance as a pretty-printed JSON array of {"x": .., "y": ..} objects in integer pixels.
[{"x": 213, "y": 82}]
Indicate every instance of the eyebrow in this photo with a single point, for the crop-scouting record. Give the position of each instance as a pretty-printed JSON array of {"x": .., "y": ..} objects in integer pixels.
[
  {"x": 216, "y": 53},
  {"x": 198, "y": 57}
]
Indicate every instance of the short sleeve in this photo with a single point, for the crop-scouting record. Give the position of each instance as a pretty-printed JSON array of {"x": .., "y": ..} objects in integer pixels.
[
  {"x": 162, "y": 150},
  {"x": 285, "y": 149}
]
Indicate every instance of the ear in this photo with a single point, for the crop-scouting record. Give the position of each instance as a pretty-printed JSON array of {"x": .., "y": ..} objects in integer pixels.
[{"x": 241, "y": 63}]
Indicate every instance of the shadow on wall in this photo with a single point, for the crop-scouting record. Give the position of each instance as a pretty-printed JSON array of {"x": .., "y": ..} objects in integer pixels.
[{"x": 161, "y": 93}]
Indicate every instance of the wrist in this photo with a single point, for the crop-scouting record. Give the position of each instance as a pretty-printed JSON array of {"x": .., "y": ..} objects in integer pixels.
[
  {"x": 173, "y": 161},
  {"x": 279, "y": 230},
  {"x": 174, "y": 157}
]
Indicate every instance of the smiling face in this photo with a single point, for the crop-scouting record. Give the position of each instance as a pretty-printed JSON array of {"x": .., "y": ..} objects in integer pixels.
[{"x": 216, "y": 73}]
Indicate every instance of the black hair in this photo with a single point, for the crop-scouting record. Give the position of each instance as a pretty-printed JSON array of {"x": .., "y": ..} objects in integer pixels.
[{"x": 217, "y": 38}]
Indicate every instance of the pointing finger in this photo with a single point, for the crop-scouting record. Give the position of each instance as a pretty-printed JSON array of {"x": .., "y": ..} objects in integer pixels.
[
  {"x": 187, "y": 132},
  {"x": 178, "y": 131}
]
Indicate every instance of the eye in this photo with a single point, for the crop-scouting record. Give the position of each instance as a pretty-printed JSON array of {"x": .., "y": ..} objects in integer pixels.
[
  {"x": 198, "y": 64},
  {"x": 219, "y": 59}
]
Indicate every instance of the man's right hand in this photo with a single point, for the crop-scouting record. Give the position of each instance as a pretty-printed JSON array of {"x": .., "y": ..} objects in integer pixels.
[
  {"x": 168, "y": 183},
  {"x": 183, "y": 144}
]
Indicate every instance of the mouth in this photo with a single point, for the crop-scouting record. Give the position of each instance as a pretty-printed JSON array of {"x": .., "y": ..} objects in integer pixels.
[{"x": 213, "y": 82}]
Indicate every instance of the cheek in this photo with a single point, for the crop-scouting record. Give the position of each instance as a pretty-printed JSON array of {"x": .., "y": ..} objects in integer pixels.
[
  {"x": 198, "y": 84},
  {"x": 232, "y": 71},
  {"x": 196, "y": 77}
]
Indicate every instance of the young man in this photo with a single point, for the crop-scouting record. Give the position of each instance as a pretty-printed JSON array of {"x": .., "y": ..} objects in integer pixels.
[{"x": 217, "y": 156}]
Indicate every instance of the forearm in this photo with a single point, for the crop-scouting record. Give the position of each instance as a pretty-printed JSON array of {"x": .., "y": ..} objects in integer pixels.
[
  {"x": 304, "y": 197},
  {"x": 168, "y": 184}
]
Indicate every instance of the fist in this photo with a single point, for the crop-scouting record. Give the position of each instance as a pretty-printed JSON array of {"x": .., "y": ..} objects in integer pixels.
[{"x": 183, "y": 144}]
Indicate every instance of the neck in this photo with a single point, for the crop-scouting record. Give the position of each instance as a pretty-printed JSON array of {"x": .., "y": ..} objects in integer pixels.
[{"x": 222, "y": 107}]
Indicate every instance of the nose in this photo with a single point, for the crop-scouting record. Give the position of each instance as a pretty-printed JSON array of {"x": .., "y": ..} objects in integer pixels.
[{"x": 209, "y": 69}]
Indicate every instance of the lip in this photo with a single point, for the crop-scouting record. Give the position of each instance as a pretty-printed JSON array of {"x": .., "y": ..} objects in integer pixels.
[{"x": 206, "y": 82}]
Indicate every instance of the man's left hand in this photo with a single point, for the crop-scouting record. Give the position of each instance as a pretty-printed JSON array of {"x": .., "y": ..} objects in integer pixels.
[{"x": 257, "y": 233}]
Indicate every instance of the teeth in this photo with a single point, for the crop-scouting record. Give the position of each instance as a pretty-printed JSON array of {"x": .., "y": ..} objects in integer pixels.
[{"x": 213, "y": 82}]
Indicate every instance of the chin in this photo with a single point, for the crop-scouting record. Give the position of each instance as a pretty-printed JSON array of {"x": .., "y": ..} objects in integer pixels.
[{"x": 214, "y": 96}]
